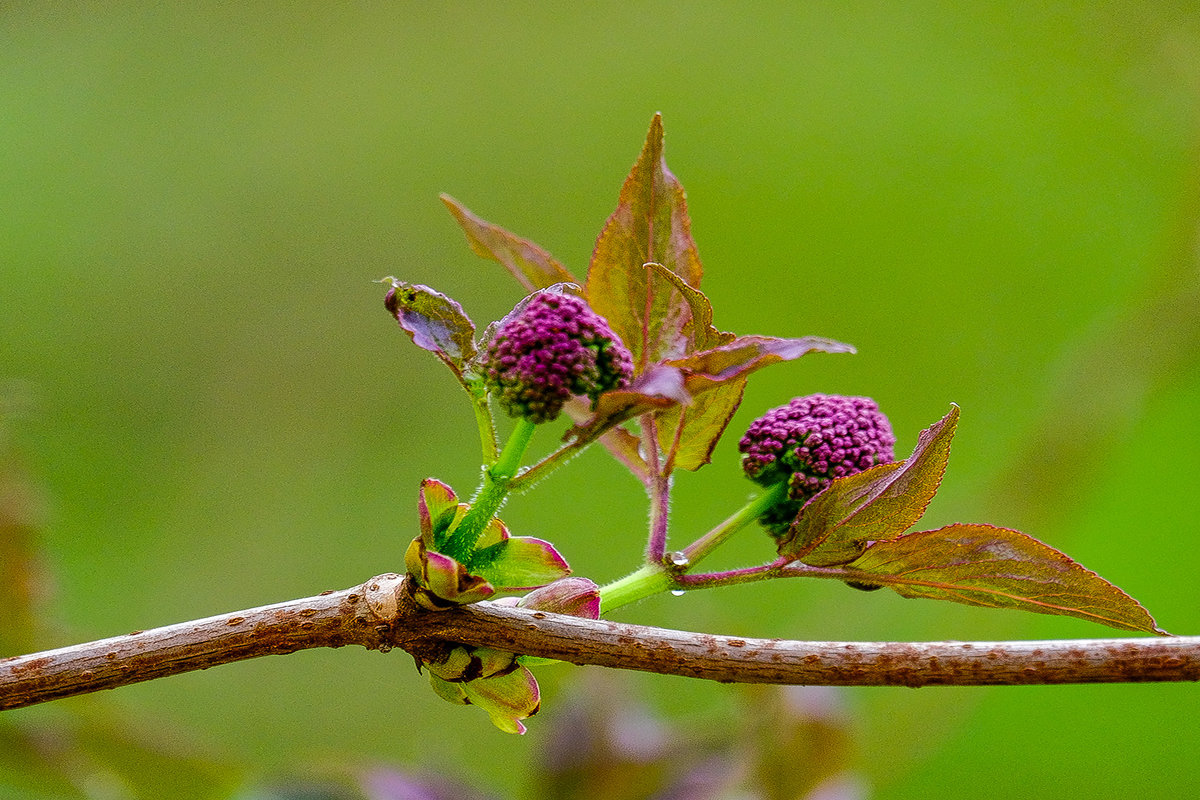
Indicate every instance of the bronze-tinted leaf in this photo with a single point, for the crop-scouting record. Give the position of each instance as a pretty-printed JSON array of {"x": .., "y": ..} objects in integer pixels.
[
  {"x": 650, "y": 224},
  {"x": 982, "y": 565},
  {"x": 745, "y": 354},
  {"x": 434, "y": 321},
  {"x": 700, "y": 328},
  {"x": 529, "y": 264},
  {"x": 688, "y": 434},
  {"x": 658, "y": 389},
  {"x": 684, "y": 381},
  {"x": 879, "y": 503}
]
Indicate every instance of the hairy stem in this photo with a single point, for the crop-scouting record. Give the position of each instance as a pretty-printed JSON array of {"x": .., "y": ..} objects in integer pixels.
[
  {"x": 659, "y": 489},
  {"x": 744, "y": 516},
  {"x": 728, "y": 578},
  {"x": 484, "y": 420},
  {"x": 376, "y": 615},
  {"x": 646, "y": 582},
  {"x": 527, "y": 479},
  {"x": 491, "y": 494},
  {"x": 663, "y": 572}
]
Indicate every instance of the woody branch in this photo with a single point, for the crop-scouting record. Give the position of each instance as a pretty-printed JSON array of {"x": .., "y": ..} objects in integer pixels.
[{"x": 379, "y": 615}]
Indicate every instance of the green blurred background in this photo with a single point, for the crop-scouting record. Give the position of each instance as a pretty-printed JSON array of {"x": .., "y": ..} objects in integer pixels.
[{"x": 997, "y": 203}]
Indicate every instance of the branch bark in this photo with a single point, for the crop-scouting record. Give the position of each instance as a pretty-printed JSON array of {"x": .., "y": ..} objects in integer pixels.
[{"x": 379, "y": 615}]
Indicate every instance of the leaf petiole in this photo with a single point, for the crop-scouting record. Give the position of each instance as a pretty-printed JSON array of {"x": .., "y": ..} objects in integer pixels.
[
  {"x": 747, "y": 514},
  {"x": 659, "y": 576},
  {"x": 645, "y": 582}
]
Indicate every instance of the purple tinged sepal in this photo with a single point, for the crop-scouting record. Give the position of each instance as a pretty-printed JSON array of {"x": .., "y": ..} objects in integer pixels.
[
  {"x": 516, "y": 563},
  {"x": 577, "y": 597},
  {"x": 500, "y": 561},
  {"x": 435, "y": 502},
  {"x": 441, "y": 581}
]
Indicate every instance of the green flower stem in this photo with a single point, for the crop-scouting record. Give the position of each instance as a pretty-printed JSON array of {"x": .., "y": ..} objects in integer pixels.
[
  {"x": 646, "y": 582},
  {"x": 483, "y": 418},
  {"x": 491, "y": 494},
  {"x": 744, "y": 516},
  {"x": 510, "y": 457}
]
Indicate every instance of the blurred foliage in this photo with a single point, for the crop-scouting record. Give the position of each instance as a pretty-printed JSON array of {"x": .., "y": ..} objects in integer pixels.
[{"x": 997, "y": 204}]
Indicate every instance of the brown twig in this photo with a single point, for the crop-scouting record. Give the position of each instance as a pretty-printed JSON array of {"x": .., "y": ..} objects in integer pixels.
[{"x": 379, "y": 615}]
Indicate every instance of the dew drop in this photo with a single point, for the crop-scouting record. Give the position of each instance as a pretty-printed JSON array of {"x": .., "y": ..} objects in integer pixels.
[
  {"x": 678, "y": 558},
  {"x": 677, "y": 592}
]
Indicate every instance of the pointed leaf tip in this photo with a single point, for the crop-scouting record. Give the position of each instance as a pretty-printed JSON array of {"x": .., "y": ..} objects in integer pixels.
[
  {"x": 650, "y": 224},
  {"x": 532, "y": 266},
  {"x": 507, "y": 698},
  {"x": 879, "y": 503},
  {"x": 433, "y": 501},
  {"x": 983, "y": 565}
]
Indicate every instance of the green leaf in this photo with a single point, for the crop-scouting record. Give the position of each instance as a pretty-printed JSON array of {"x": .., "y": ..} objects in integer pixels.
[
  {"x": 449, "y": 691},
  {"x": 519, "y": 563},
  {"x": 879, "y": 503},
  {"x": 529, "y": 264},
  {"x": 456, "y": 664},
  {"x": 434, "y": 321},
  {"x": 650, "y": 224},
  {"x": 982, "y": 565}
]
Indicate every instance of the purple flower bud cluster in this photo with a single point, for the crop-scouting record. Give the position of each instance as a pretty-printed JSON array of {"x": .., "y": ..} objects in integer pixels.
[
  {"x": 556, "y": 347},
  {"x": 811, "y": 441}
]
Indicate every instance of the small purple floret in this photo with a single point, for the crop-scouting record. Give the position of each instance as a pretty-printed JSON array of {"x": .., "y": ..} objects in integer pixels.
[
  {"x": 811, "y": 441},
  {"x": 553, "y": 349}
]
